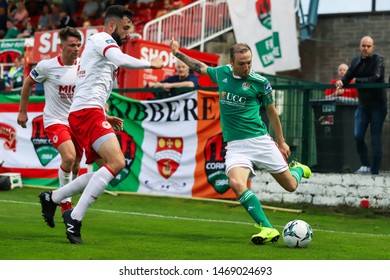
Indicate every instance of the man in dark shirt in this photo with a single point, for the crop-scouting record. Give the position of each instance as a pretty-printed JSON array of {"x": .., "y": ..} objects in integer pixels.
[
  {"x": 177, "y": 84},
  {"x": 368, "y": 67},
  {"x": 65, "y": 20}
]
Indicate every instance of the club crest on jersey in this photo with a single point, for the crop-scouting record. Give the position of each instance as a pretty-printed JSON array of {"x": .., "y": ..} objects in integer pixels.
[
  {"x": 106, "y": 124},
  {"x": 168, "y": 154},
  {"x": 246, "y": 86}
]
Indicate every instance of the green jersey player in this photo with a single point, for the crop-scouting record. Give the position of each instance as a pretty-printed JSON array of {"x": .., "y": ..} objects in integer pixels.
[{"x": 249, "y": 146}]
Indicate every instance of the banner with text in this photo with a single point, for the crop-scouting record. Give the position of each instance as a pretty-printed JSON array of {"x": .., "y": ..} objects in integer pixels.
[
  {"x": 269, "y": 27},
  {"x": 28, "y": 151},
  {"x": 172, "y": 147},
  {"x": 11, "y": 49}
]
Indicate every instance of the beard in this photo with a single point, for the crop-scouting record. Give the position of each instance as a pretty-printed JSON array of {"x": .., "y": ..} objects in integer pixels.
[{"x": 117, "y": 37}]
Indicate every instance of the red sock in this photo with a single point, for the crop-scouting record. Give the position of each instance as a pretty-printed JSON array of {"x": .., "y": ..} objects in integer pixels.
[{"x": 65, "y": 206}]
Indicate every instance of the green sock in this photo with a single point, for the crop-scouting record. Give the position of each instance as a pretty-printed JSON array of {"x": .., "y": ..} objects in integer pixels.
[
  {"x": 253, "y": 206},
  {"x": 297, "y": 173}
]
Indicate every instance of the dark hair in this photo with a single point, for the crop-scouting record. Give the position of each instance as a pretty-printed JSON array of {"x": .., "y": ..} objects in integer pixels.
[
  {"x": 20, "y": 57},
  {"x": 69, "y": 32},
  {"x": 117, "y": 11},
  {"x": 239, "y": 48}
]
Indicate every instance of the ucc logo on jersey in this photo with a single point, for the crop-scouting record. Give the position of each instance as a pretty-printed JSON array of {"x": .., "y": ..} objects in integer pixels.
[
  {"x": 233, "y": 99},
  {"x": 168, "y": 155}
]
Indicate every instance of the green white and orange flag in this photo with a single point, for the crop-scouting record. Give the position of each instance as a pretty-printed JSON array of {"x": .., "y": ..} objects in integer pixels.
[{"x": 172, "y": 147}]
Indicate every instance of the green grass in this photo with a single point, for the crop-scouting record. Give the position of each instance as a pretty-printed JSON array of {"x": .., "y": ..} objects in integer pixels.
[{"x": 135, "y": 227}]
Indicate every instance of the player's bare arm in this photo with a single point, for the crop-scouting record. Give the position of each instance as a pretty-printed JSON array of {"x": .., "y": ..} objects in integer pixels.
[
  {"x": 120, "y": 59},
  {"x": 193, "y": 64},
  {"x": 116, "y": 123},
  {"x": 25, "y": 94}
]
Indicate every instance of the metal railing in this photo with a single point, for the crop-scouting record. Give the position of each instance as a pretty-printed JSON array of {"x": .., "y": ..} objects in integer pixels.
[
  {"x": 192, "y": 25},
  {"x": 319, "y": 131}
]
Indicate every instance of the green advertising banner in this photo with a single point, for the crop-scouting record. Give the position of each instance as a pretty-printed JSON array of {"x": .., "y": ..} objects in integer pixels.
[{"x": 10, "y": 49}]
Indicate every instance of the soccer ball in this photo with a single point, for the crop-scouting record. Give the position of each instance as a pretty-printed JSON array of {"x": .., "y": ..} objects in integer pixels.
[{"x": 297, "y": 234}]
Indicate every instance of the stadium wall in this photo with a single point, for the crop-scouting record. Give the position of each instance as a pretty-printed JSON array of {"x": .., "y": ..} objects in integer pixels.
[{"x": 327, "y": 190}]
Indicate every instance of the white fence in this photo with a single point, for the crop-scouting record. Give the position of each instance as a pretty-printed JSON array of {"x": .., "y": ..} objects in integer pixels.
[{"x": 192, "y": 25}]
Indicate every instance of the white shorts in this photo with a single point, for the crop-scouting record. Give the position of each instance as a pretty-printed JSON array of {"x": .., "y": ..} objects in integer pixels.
[{"x": 261, "y": 152}]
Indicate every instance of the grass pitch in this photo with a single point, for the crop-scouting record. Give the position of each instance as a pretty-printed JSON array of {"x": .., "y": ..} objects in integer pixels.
[{"x": 136, "y": 227}]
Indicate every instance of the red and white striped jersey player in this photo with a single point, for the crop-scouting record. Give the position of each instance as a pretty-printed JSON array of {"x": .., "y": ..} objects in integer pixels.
[
  {"x": 93, "y": 129},
  {"x": 58, "y": 76}
]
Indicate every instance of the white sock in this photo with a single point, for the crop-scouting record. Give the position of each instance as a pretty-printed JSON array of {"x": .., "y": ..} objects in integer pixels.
[
  {"x": 64, "y": 178},
  {"x": 93, "y": 190},
  {"x": 74, "y": 187},
  {"x": 74, "y": 176}
]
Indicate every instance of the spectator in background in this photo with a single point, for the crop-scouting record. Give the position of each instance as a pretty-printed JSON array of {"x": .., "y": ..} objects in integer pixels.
[
  {"x": 167, "y": 7},
  {"x": 144, "y": 1},
  {"x": 87, "y": 23},
  {"x": 28, "y": 32},
  {"x": 55, "y": 16},
  {"x": 12, "y": 30},
  {"x": 177, "y": 84},
  {"x": 368, "y": 67},
  {"x": 44, "y": 21},
  {"x": 177, "y": 4},
  {"x": 4, "y": 4},
  {"x": 70, "y": 6},
  {"x": 91, "y": 9},
  {"x": 20, "y": 16},
  {"x": 2, "y": 85},
  {"x": 3, "y": 19},
  {"x": 109, "y": 3},
  {"x": 49, "y": 18},
  {"x": 65, "y": 20},
  {"x": 341, "y": 92},
  {"x": 11, "y": 8},
  {"x": 16, "y": 74}
]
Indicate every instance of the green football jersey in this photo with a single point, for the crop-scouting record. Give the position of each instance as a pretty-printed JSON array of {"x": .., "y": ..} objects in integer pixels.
[{"x": 240, "y": 100}]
